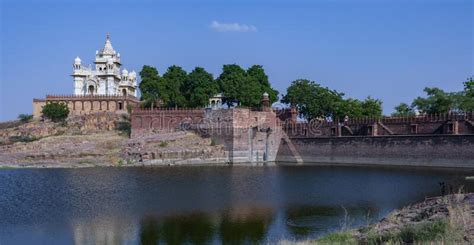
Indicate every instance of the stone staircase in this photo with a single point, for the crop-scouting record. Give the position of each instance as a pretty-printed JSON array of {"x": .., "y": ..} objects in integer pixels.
[{"x": 293, "y": 150}]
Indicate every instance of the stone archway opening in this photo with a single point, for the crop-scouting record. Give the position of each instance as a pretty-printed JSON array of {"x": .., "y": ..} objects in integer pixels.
[
  {"x": 91, "y": 89},
  {"x": 124, "y": 92}
]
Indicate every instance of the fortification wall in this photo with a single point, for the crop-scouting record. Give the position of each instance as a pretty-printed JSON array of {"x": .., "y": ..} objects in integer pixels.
[
  {"x": 149, "y": 121},
  {"x": 88, "y": 104},
  {"x": 419, "y": 125},
  {"x": 455, "y": 151},
  {"x": 247, "y": 135}
]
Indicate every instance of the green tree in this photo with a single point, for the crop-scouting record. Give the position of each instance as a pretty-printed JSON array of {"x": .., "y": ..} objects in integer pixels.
[
  {"x": 371, "y": 107},
  {"x": 256, "y": 75},
  {"x": 313, "y": 101},
  {"x": 24, "y": 118},
  {"x": 467, "y": 102},
  {"x": 199, "y": 87},
  {"x": 437, "y": 101},
  {"x": 403, "y": 109},
  {"x": 55, "y": 111},
  {"x": 150, "y": 86},
  {"x": 231, "y": 82},
  {"x": 349, "y": 107},
  {"x": 173, "y": 89},
  {"x": 469, "y": 87}
]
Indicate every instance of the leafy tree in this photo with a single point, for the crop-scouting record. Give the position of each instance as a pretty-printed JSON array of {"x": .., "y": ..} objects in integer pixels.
[
  {"x": 467, "y": 103},
  {"x": 256, "y": 75},
  {"x": 350, "y": 107},
  {"x": 199, "y": 87},
  {"x": 231, "y": 82},
  {"x": 312, "y": 100},
  {"x": 371, "y": 107},
  {"x": 55, "y": 111},
  {"x": 24, "y": 118},
  {"x": 437, "y": 101},
  {"x": 173, "y": 88},
  {"x": 150, "y": 86},
  {"x": 469, "y": 87},
  {"x": 403, "y": 109}
]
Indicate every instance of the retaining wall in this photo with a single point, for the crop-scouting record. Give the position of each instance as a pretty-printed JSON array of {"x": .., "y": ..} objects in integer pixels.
[{"x": 456, "y": 151}]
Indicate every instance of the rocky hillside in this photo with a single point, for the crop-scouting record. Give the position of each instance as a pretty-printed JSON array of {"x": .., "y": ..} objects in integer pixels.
[{"x": 100, "y": 139}]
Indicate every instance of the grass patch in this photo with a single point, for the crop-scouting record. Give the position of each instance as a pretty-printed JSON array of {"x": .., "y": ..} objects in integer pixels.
[
  {"x": 15, "y": 139},
  {"x": 342, "y": 237},
  {"x": 436, "y": 231},
  {"x": 163, "y": 144}
]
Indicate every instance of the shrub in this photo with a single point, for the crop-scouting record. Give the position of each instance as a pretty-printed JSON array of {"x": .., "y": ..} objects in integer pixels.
[
  {"x": 124, "y": 127},
  {"x": 14, "y": 139},
  {"x": 24, "y": 118},
  {"x": 213, "y": 142},
  {"x": 55, "y": 111},
  {"x": 163, "y": 144}
]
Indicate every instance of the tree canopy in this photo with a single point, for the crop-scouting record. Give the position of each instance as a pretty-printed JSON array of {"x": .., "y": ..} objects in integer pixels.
[
  {"x": 176, "y": 88},
  {"x": 150, "y": 86},
  {"x": 437, "y": 101},
  {"x": 173, "y": 87},
  {"x": 403, "y": 110},
  {"x": 231, "y": 82},
  {"x": 199, "y": 87},
  {"x": 314, "y": 101},
  {"x": 55, "y": 111}
]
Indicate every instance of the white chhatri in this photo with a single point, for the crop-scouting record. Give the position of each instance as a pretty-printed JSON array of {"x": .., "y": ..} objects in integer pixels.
[{"x": 106, "y": 79}]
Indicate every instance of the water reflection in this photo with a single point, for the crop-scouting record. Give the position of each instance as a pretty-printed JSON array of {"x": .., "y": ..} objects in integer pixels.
[
  {"x": 230, "y": 227},
  {"x": 102, "y": 231},
  {"x": 307, "y": 220},
  {"x": 203, "y": 205},
  {"x": 197, "y": 228}
]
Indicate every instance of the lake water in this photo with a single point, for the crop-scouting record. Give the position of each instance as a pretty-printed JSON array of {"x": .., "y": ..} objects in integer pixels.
[{"x": 204, "y": 205}]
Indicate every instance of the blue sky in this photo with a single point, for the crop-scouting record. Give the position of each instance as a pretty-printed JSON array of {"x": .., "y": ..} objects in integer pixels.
[{"x": 387, "y": 49}]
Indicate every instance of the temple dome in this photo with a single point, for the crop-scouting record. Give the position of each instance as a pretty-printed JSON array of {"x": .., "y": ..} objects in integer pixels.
[
  {"x": 124, "y": 72},
  {"x": 77, "y": 60}
]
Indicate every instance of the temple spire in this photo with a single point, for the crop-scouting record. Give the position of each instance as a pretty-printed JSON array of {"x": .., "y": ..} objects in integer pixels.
[{"x": 108, "y": 49}]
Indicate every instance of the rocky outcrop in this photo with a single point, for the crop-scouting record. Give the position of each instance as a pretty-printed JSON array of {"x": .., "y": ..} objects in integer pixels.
[
  {"x": 100, "y": 139},
  {"x": 456, "y": 208},
  {"x": 173, "y": 148},
  {"x": 75, "y": 125}
]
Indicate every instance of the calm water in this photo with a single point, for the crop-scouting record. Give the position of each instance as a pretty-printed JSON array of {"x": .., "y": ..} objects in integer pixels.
[{"x": 202, "y": 204}]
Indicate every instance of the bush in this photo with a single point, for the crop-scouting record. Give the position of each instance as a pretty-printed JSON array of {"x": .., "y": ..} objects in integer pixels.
[
  {"x": 25, "y": 139},
  {"x": 163, "y": 144},
  {"x": 213, "y": 142},
  {"x": 55, "y": 111},
  {"x": 24, "y": 118},
  {"x": 124, "y": 127}
]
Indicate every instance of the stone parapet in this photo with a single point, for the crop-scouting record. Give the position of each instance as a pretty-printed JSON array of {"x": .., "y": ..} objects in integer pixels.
[
  {"x": 86, "y": 104},
  {"x": 417, "y": 125}
]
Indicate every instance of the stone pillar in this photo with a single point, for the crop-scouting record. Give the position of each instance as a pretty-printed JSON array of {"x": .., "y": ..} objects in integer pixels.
[{"x": 265, "y": 102}]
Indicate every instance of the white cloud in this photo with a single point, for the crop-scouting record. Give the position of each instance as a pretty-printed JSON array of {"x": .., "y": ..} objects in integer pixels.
[{"x": 232, "y": 27}]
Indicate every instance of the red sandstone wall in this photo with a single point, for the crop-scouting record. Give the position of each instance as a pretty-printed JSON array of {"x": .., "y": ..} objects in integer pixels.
[
  {"x": 425, "y": 125},
  {"x": 431, "y": 150},
  {"x": 163, "y": 120}
]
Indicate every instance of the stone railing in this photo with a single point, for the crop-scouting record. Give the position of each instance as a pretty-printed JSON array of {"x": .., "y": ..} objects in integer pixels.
[
  {"x": 105, "y": 97},
  {"x": 407, "y": 119}
]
